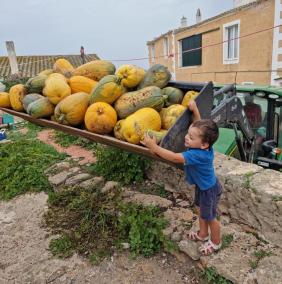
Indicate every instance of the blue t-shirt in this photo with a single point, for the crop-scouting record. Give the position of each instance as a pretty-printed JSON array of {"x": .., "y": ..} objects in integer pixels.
[{"x": 199, "y": 168}]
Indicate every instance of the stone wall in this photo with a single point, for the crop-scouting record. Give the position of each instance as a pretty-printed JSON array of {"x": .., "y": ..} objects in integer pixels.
[{"x": 251, "y": 194}]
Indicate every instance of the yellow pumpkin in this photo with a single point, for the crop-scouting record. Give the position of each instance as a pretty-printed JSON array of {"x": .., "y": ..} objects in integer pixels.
[
  {"x": 170, "y": 115},
  {"x": 100, "y": 118},
  {"x": 118, "y": 130},
  {"x": 81, "y": 84},
  {"x": 56, "y": 88},
  {"x": 16, "y": 95},
  {"x": 130, "y": 75},
  {"x": 71, "y": 110},
  {"x": 64, "y": 67},
  {"x": 190, "y": 95},
  {"x": 95, "y": 70},
  {"x": 5, "y": 100},
  {"x": 135, "y": 125}
]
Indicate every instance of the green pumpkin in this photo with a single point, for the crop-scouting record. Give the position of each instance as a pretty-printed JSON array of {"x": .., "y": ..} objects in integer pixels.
[
  {"x": 158, "y": 75},
  {"x": 41, "y": 108},
  {"x": 174, "y": 96},
  {"x": 108, "y": 90},
  {"x": 130, "y": 102},
  {"x": 28, "y": 99}
]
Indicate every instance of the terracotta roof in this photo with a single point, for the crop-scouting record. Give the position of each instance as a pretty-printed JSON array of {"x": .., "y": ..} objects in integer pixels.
[
  {"x": 234, "y": 10},
  {"x": 32, "y": 65}
]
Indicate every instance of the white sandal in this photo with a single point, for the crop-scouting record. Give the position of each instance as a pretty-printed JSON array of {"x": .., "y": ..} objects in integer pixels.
[
  {"x": 209, "y": 247},
  {"x": 194, "y": 236}
]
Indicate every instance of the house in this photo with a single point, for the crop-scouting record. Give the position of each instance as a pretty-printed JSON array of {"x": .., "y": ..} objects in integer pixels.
[
  {"x": 30, "y": 66},
  {"x": 243, "y": 44}
]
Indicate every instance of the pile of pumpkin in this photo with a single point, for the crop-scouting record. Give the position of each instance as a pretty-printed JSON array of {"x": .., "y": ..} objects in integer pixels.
[{"x": 127, "y": 102}]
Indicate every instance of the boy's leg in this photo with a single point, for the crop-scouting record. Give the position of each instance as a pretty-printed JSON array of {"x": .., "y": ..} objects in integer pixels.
[
  {"x": 215, "y": 231},
  {"x": 204, "y": 228}
]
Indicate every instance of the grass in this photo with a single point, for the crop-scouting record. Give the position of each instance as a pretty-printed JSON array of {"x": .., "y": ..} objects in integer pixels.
[
  {"x": 155, "y": 189},
  {"x": 259, "y": 254},
  {"x": 23, "y": 162},
  {"x": 118, "y": 165},
  {"x": 211, "y": 276},
  {"x": 66, "y": 140},
  {"x": 226, "y": 240},
  {"x": 94, "y": 224}
]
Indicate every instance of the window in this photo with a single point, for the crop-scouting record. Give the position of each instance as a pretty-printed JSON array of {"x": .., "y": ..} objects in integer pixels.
[
  {"x": 231, "y": 34},
  {"x": 153, "y": 54},
  {"x": 189, "y": 56},
  {"x": 166, "y": 49}
]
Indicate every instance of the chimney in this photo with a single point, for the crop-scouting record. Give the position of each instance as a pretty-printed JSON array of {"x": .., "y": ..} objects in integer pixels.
[
  {"x": 198, "y": 16},
  {"x": 238, "y": 3},
  {"x": 183, "y": 22}
]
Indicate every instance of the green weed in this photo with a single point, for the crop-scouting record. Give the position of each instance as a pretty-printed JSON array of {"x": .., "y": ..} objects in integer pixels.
[
  {"x": 119, "y": 165},
  {"x": 226, "y": 240},
  {"x": 67, "y": 140},
  {"x": 61, "y": 247},
  {"x": 22, "y": 165},
  {"x": 97, "y": 223},
  {"x": 260, "y": 254},
  {"x": 211, "y": 276}
]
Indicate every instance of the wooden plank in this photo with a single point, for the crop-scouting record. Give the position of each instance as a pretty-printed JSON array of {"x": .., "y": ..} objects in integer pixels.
[
  {"x": 12, "y": 57},
  {"x": 103, "y": 139}
]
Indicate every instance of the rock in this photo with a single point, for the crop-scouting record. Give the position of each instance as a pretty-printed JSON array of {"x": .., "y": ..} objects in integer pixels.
[
  {"x": 109, "y": 186},
  {"x": 279, "y": 206},
  {"x": 180, "y": 214},
  {"x": 168, "y": 231},
  {"x": 190, "y": 248},
  {"x": 95, "y": 182},
  {"x": 176, "y": 236},
  {"x": 77, "y": 179},
  {"x": 233, "y": 262},
  {"x": 125, "y": 245},
  {"x": 58, "y": 167},
  {"x": 269, "y": 270},
  {"x": 59, "y": 178},
  {"x": 147, "y": 199},
  {"x": 184, "y": 204},
  {"x": 7, "y": 217}
]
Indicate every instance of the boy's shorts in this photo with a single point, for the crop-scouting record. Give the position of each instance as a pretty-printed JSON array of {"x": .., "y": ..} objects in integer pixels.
[{"x": 208, "y": 200}]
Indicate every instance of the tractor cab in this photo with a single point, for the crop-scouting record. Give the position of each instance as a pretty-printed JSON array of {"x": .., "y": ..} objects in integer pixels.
[{"x": 262, "y": 106}]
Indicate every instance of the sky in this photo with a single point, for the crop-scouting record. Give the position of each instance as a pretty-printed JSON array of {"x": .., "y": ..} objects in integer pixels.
[{"x": 114, "y": 30}]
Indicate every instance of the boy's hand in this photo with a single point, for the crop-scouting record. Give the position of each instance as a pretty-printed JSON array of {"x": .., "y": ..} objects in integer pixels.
[
  {"x": 149, "y": 142},
  {"x": 193, "y": 107}
]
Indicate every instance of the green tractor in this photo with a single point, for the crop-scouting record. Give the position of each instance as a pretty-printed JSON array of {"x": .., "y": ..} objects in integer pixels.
[{"x": 254, "y": 133}]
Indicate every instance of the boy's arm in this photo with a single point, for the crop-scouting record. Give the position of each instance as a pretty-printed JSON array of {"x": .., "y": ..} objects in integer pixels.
[
  {"x": 163, "y": 153},
  {"x": 193, "y": 107}
]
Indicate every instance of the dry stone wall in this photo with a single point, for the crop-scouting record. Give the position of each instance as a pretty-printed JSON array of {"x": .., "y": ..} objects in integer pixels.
[{"x": 251, "y": 194}]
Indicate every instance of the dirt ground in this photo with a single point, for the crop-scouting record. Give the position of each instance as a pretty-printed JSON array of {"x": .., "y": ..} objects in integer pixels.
[
  {"x": 24, "y": 255},
  {"x": 25, "y": 258}
]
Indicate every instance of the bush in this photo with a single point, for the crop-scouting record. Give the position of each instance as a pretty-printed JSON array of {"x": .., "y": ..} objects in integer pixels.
[{"x": 118, "y": 165}]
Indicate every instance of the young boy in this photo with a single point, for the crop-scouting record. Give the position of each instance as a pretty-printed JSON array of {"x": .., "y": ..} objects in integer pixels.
[{"x": 199, "y": 170}]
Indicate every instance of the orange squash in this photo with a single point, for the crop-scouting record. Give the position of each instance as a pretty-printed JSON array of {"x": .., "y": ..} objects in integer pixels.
[
  {"x": 95, "y": 69},
  {"x": 17, "y": 94},
  {"x": 64, "y": 67},
  {"x": 71, "y": 110},
  {"x": 81, "y": 84},
  {"x": 100, "y": 118},
  {"x": 5, "y": 100}
]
